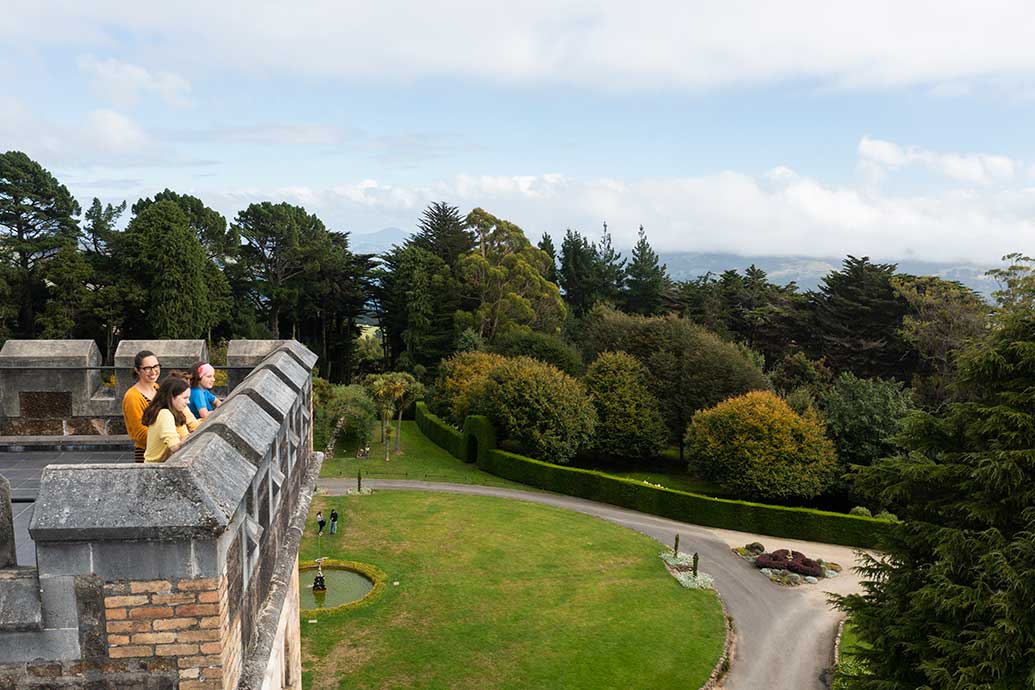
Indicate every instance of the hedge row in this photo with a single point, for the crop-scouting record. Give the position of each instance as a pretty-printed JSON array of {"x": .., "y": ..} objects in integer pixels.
[
  {"x": 777, "y": 521},
  {"x": 441, "y": 433}
]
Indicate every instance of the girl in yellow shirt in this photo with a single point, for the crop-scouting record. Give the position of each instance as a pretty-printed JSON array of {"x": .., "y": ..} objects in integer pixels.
[{"x": 167, "y": 419}]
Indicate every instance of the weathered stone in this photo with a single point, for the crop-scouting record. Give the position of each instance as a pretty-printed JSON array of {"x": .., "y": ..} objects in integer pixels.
[
  {"x": 49, "y": 366},
  {"x": 8, "y": 554},
  {"x": 218, "y": 470},
  {"x": 244, "y": 424},
  {"x": 288, "y": 369},
  {"x": 269, "y": 392},
  {"x": 20, "y": 607}
]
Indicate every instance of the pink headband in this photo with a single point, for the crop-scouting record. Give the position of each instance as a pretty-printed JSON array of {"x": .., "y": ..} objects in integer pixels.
[{"x": 206, "y": 369}]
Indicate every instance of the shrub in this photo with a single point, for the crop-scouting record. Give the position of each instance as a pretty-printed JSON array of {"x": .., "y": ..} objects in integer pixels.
[
  {"x": 460, "y": 381},
  {"x": 885, "y": 515},
  {"x": 628, "y": 421},
  {"x": 341, "y": 413},
  {"x": 862, "y": 416},
  {"x": 794, "y": 561},
  {"x": 755, "y": 445},
  {"x": 690, "y": 368},
  {"x": 798, "y": 371},
  {"x": 547, "y": 348},
  {"x": 543, "y": 410},
  {"x": 860, "y": 510}
]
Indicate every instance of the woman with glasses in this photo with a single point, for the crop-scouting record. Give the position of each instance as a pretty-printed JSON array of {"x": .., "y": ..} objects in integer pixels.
[{"x": 146, "y": 371}]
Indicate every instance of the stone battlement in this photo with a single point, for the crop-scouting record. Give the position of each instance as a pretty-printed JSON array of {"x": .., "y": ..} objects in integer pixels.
[{"x": 177, "y": 575}]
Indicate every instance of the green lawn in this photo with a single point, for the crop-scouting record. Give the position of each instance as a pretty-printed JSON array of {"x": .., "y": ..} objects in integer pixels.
[
  {"x": 419, "y": 459},
  {"x": 506, "y": 595}
]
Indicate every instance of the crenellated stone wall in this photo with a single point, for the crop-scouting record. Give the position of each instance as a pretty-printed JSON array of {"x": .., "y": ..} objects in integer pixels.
[
  {"x": 59, "y": 388},
  {"x": 175, "y": 575}
]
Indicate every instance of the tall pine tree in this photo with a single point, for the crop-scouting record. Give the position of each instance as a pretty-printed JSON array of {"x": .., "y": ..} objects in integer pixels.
[
  {"x": 646, "y": 280},
  {"x": 949, "y": 603}
]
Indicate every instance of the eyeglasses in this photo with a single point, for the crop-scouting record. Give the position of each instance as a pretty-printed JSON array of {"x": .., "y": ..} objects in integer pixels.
[{"x": 151, "y": 369}]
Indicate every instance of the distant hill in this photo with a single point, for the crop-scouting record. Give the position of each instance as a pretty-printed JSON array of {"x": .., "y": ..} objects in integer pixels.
[
  {"x": 806, "y": 272},
  {"x": 377, "y": 242}
]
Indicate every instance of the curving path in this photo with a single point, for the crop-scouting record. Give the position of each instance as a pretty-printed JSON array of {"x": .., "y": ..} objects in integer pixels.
[{"x": 784, "y": 636}]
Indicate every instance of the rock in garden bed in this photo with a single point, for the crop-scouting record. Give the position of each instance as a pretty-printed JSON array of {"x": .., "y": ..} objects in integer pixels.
[{"x": 786, "y": 567}]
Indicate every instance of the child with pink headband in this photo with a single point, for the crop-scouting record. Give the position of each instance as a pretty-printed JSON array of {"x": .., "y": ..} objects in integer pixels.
[{"x": 202, "y": 378}]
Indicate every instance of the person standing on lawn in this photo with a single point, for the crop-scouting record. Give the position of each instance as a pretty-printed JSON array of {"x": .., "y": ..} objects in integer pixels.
[
  {"x": 334, "y": 520},
  {"x": 320, "y": 522}
]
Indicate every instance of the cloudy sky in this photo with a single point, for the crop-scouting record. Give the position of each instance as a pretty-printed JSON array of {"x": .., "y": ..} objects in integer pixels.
[{"x": 892, "y": 129}]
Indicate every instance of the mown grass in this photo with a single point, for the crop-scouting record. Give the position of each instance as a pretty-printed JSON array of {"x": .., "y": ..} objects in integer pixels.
[
  {"x": 419, "y": 459},
  {"x": 505, "y": 594}
]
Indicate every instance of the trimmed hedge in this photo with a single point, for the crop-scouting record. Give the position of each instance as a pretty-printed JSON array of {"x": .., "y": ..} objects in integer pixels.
[
  {"x": 744, "y": 516},
  {"x": 440, "y": 432}
]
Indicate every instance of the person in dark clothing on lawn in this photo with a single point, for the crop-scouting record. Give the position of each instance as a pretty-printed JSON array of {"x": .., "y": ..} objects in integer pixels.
[{"x": 334, "y": 521}]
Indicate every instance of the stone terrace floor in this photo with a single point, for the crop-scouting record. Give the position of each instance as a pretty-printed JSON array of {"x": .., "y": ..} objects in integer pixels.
[{"x": 24, "y": 469}]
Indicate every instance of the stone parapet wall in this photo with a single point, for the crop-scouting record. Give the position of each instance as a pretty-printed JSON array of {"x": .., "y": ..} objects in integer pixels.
[{"x": 184, "y": 570}]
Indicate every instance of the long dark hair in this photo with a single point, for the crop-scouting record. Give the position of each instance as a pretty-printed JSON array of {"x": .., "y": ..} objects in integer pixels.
[
  {"x": 139, "y": 359},
  {"x": 170, "y": 388}
]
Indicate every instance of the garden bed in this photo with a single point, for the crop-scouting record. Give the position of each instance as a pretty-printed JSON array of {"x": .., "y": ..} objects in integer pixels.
[{"x": 786, "y": 567}]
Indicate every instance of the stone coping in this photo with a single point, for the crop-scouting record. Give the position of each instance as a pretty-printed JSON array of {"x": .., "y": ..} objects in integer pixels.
[{"x": 193, "y": 495}]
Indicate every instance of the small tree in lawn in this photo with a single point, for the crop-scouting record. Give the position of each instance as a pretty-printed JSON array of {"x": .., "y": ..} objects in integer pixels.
[
  {"x": 413, "y": 390},
  {"x": 386, "y": 390}
]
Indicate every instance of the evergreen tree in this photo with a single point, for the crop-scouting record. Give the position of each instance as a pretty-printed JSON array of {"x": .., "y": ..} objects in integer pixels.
[
  {"x": 646, "y": 280},
  {"x": 442, "y": 232},
  {"x": 546, "y": 244},
  {"x": 37, "y": 218},
  {"x": 857, "y": 316},
  {"x": 610, "y": 267},
  {"x": 164, "y": 268},
  {"x": 577, "y": 274},
  {"x": 281, "y": 243},
  {"x": 219, "y": 241},
  {"x": 948, "y": 604}
]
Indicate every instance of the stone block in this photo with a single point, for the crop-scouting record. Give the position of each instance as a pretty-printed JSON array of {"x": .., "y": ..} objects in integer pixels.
[
  {"x": 63, "y": 559},
  {"x": 54, "y": 645},
  {"x": 270, "y": 392},
  {"x": 151, "y": 560},
  {"x": 8, "y": 552},
  {"x": 48, "y": 366},
  {"x": 154, "y": 502},
  {"x": 59, "y": 602},
  {"x": 20, "y": 607},
  {"x": 245, "y": 426},
  {"x": 288, "y": 369}
]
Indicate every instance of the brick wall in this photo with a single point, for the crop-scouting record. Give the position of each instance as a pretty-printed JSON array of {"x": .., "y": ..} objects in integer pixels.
[{"x": 184, "y": 622}]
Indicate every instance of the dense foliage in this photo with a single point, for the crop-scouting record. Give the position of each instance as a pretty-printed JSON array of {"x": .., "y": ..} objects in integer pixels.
[
  {"x": 629, "y": 423},
  {"x": 757, "y": 446},
  {"x": 949, "y": 604},
  {"x": 863, "y": 416},
  {"x": 689, "y": 368},
  {"x": 341, "y": 414},
  {"x": 794, "y": 523},
  {"x": 543, "y": 411},
  {"x": 460, "y": 382},
  {"x": 545, "y": 347}
]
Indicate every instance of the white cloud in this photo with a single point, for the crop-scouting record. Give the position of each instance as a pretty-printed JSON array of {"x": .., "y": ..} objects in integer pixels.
[
  {"x": 611, "y": 44},
  {"x": 100, "y": 137},
  {"x": 124, "y": 84},
  {"x": 975, "y": 168},
  {"x": 783, "y": 215}
]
